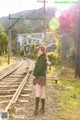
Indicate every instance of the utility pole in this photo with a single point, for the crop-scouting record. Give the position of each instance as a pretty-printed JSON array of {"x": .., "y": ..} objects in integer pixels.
[
  {"x": 44, "y": 25},
  {"x": 44, "y": 42},
  {"x": 9, "y": 31},
  {"x": 9, "y": 41}
]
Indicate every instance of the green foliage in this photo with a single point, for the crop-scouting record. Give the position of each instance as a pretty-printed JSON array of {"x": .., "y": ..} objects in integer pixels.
[
  {"x": 6, "y": 55},
  {"x": 67, "y": 93},
  {"x": 3, "y": 41},
  {"x": 33, "y": 48},
  {"x": 68, "y": 50},
  {"x": 22, "y": 52},
  {"x": 33, "y": 51},
  {"x": 70, "y": 98},
  {"x": 53, "y": 57}
]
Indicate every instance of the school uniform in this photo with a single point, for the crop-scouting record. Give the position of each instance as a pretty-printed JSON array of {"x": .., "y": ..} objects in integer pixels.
[{"x": 40, "y": 74}]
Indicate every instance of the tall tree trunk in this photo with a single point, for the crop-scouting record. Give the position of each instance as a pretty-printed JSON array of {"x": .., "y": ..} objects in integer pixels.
[{"x": 77, "y": 66}]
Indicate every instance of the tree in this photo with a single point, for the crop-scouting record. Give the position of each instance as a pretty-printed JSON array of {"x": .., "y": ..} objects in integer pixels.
[
  {"x": 77, "y": 66},
  {"x": 3, "y": 40},
  {"x": 66, "y": 20}
]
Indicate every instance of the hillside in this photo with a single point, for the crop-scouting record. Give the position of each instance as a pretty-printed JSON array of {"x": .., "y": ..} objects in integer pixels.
[{"x": 28, "y": 25}]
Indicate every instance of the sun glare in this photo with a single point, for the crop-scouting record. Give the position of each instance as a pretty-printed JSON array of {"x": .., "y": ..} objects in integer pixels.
[{"x": 57, "y": 14}]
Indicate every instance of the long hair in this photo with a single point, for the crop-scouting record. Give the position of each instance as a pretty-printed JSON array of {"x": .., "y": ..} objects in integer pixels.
[{"x": 43, "y": 49}]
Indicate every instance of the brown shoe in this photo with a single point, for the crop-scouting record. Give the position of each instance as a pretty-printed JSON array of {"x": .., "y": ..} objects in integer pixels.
[
  {"x": 35, "y": 112},
  {"x": 36, "y": 106},
  {"x": 42, "y": 111},
  {"x": 43, "y": 106}
]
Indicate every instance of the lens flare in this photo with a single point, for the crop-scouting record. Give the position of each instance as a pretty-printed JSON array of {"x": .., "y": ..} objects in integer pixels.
[
  {"x": 57, "y": 14},
  {"x": 54, "y": 24}
]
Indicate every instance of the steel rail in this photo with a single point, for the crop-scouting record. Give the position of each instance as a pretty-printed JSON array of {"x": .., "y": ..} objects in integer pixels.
[
  {"x": 18, "y": 91},
  {"x": 12, "y": 70}
]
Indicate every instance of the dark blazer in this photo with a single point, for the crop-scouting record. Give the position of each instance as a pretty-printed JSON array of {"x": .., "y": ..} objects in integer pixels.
[{"x": 40, "y": 66}]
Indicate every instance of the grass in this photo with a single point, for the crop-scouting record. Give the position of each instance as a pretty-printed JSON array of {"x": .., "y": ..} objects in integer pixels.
[
  {"x": 70, "y": 98},
  {"x": 4, "y": 60},
  {"x": 68, "y": 92}
]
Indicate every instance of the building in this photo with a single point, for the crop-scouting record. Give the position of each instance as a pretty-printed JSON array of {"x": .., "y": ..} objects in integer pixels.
[
  {"x": 24, "y": 41},
  {"x": 21, "y": 41}
]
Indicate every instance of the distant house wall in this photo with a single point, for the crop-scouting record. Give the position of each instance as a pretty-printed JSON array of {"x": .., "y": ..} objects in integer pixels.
[
  {"x": 34, "y": 38},
  {"x": 21, "y": 41}
]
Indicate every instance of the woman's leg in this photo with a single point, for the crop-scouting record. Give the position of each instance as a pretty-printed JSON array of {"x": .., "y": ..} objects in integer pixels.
[
  {"x": 43, "y": 92},
  {"x": 38, "y": 90},
  {"x": 38, "y": 94},
  {"x": 43, "y": 99}
]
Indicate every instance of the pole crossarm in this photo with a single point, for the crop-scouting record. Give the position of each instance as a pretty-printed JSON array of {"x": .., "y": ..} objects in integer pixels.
[
  {"x": 14, "y": 23},
  {"x": 42, "y": 1},
  {"x": 28, "y": 18},
  {"x": 18, "y": 18}
]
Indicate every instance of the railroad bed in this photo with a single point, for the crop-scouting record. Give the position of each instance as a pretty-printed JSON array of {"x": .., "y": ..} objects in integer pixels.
[
  {"x": 13, "y": 86},
  {"x": 8, "y": 68}
]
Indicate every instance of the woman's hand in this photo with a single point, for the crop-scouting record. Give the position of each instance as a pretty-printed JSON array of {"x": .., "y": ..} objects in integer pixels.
[{"x": 33, "y": 77}]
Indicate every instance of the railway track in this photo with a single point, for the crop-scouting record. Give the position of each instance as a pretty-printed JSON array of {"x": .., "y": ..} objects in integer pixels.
[
  {"x": 14, "y": 88},
  {"x": 9, "y": 71}
]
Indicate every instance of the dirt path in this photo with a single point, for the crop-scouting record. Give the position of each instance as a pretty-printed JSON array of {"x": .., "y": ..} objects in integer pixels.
[{"x": 52, "y": 105}]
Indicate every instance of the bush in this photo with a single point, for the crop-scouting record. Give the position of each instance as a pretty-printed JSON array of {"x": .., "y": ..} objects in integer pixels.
[
  {"x": 6, "y": 55},
  {"x": 53, "y": 58},
  {"x": 22, "y": 52},
  {"x": 1, "y": 52}
]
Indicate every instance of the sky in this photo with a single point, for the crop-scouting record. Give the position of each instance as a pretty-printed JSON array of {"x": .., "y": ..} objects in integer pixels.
[{"x": 14, "y": 6}]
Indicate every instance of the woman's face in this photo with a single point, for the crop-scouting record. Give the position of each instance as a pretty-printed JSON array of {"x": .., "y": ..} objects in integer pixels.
[{"x": 40, "y": 52}]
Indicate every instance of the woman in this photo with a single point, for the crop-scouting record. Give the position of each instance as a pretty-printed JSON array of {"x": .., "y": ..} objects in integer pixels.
[{"x": 40, "y": 74}]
